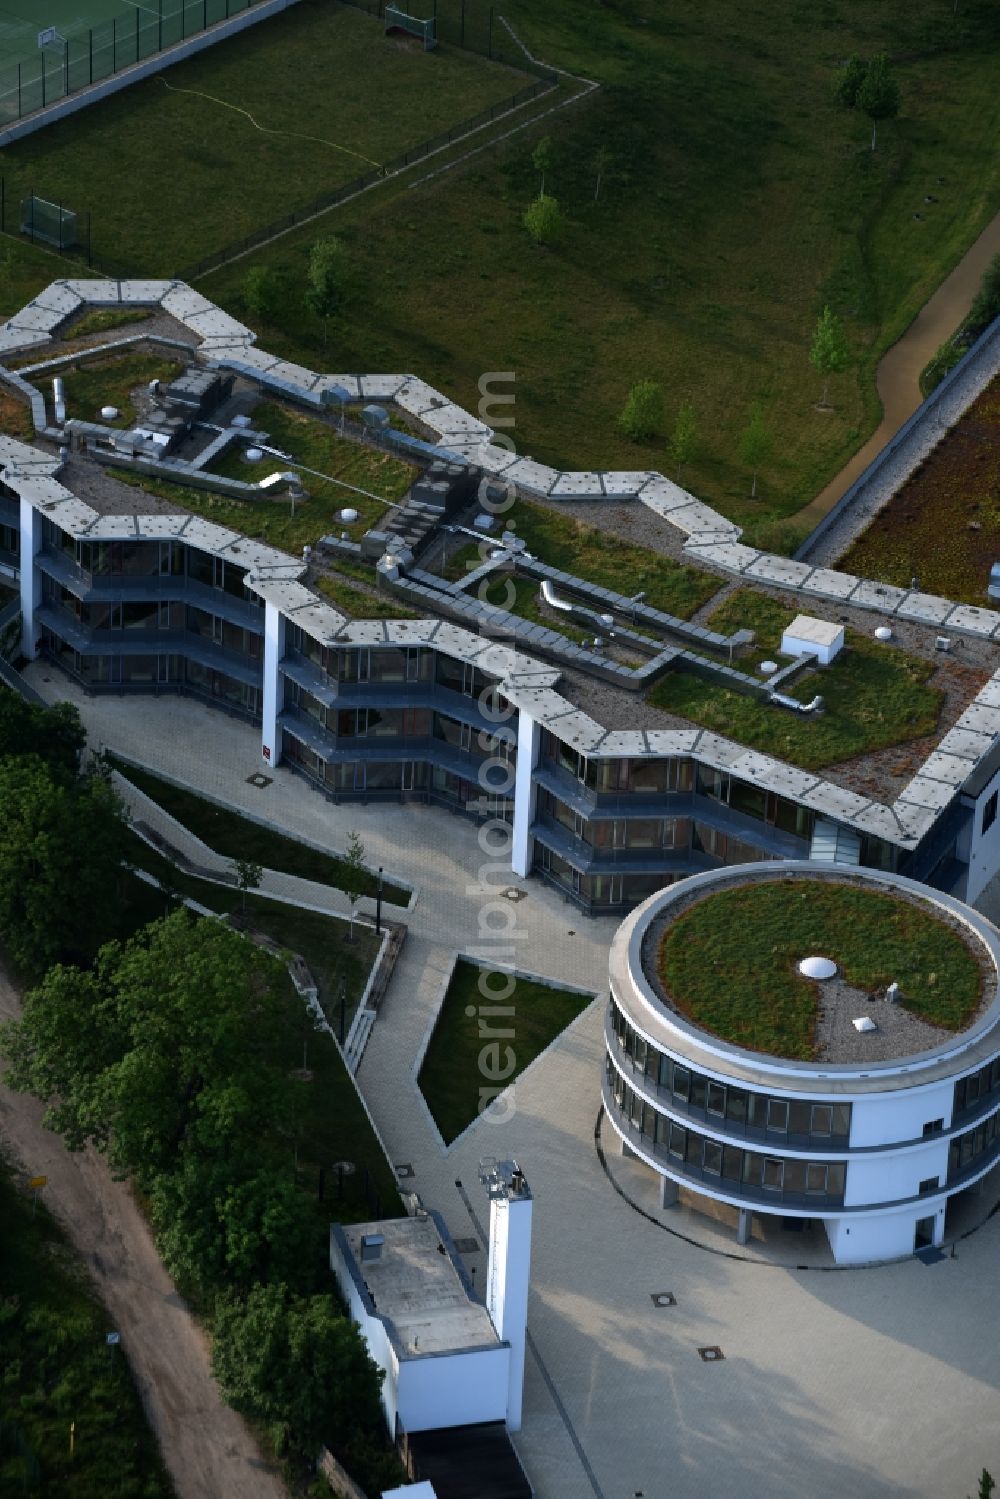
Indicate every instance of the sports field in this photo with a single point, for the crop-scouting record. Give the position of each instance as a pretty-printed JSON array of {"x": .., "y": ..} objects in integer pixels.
[
  {"x": 181, "y": 164},
  {"x": 22, "y": 20}
]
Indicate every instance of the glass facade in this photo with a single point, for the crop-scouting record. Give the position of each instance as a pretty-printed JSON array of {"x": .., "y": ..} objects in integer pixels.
[
  {"x": 760, "y": 1176},
  {"x": 977, "y": 1148},
  {"x": 975, "y": 1093},
  {"x": 727, "y": 1107}
]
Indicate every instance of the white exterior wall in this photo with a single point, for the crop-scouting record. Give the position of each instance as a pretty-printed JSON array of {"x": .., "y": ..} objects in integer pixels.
[
  {"x": 31, "y": 578},
  {"x": 887, "y": 1118},
  {"x": 984, "y": 848},
  {"x": 881, "y": 1236},
  {"x": 272, "y": 696},
  {"x": 453, "y": 1389},
  {"x": 891, "y": 1178},
  {"x": 372, "y": 1330},
  {"x": 529, "y": 738},
  {"x": 507, "y": 1295}
]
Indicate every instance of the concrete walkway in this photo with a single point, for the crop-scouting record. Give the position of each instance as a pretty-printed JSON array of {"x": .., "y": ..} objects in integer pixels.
[{"x": 882, "y": 1382}]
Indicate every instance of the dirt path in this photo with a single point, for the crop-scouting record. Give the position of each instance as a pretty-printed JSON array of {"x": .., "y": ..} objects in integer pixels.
[
  {"x": 207, "y": 1447},
  {"x": 898, "y": 376}
]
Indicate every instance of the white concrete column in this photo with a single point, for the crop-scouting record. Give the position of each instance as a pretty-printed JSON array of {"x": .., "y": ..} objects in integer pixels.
[
  {"x": 273, "y": 693},
  {"x": 529, "y": 739},
  {"x": 743, "y": 1226},
  {"x": 507, "y": 1282},
  {"x": 668, "y": 1192},
  {"x": 31, "y": 578}
]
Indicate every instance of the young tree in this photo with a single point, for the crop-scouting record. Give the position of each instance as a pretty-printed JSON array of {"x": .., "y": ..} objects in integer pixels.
[
  {"x": 326, "y": 280},
  {"x": 642, "y": 414},
  {"x": 248, "y": 877},
  {"x": 829, "y": 353},
  {"x": 354, "y": 876},
  {"x": 544, "y": 221},
  {"x": 849, "y": 79},
  {"x": 755, "y": 444},
  {"x": 542, "y": 159},
  {"x": 62, "y": 847},
  {"x": 684, "y": 439},
  {"x": 878, "y": 93},
  {"x": 603, "y": 161},
  {"x": 987, "y": 1483},
  {"x": 262, "y": 293}
]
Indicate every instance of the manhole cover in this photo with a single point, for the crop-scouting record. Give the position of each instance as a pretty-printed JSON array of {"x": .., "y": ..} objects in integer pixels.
[
  {"x": 710, "y": 1355},
  {"x": 664, "y": 1298},
  {"x": 467, "y": 1246},
  {"x": 259, "y": 780},
  {"x": 404, "y": 1171}
]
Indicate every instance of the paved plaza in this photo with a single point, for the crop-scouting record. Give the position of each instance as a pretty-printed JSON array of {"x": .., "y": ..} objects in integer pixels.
[{"x": 873, "y": 1382}]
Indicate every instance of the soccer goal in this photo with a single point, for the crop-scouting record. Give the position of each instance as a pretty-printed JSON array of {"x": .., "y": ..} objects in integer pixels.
[
  {"x": 398, "y": 20},
  {"x": 49, "y": 222}
]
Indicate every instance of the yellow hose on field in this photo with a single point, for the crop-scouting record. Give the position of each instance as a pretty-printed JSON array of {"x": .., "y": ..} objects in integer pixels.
[{"x": 266, "y": 130}]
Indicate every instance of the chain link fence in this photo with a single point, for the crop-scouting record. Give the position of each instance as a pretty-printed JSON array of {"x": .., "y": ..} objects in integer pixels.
[{"x": 92, "y": 55}]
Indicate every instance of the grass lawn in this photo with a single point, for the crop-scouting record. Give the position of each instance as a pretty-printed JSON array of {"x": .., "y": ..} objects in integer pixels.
[
  {"x": 110, "y": 380},
  {"x": 236, "y": 837},
  {"x": 583, "y": 550},
  {"x": 357, "y": 604},
  {"x": 58, "y": 1370},
  {"x": 748, "y": 990},
  {"x": 452, "y": 1078},
  {"x": 314, "y": 443},
  {"x": 943, "y": 525},
  {"x": 320, "y": 940},
  {"x": 746, "y": 200},
  {"x": 875, "y": 696},
  {"x": 308, "y": 76}
]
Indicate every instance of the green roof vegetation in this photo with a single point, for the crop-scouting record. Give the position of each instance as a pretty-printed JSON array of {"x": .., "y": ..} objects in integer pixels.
[
  {"x": 58, "y": 1370},
  {"x": 15, "y": 416},
  {"x": 356, "y": 603},
  {"x": 943, "y": 525},
  {"x": 103, "y": 320},
  {"x": 315, "y": 443},
  {"x": 729, "y": 962},
  {"x": 473, "y": 1056},
  {"x": 601, "y": 558},
  {"x": 110, "y": 381},
  {"x": 876, "y": 695}
]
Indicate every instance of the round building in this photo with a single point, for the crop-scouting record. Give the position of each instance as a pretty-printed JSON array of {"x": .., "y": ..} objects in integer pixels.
[{"x": 809, "y": 1043}]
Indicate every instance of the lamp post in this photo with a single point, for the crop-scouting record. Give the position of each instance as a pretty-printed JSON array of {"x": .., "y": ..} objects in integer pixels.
[{"x": 378, "y": 904}]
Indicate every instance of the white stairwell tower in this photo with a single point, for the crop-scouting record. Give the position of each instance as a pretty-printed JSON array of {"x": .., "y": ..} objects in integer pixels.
[{"x": 509, "y": 1268}]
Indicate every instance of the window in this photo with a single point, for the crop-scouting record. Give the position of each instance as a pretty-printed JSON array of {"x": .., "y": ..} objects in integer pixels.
[
  {"x": 989, "y": 812},
  {"x": 774, "y": 1174},
  {"x": 822, "y": 1119},
  {"x": 933, "y": 1127},
  {"x": 816, "y": 1177},
  {"x": 928, "y": 1185},
  {"x": 777, "y": 1114},
  {"x": 682, "y": 1082},
  {"x": 713, "y": 1158},
  {"x": 716, "y": 1099}
]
